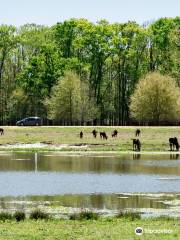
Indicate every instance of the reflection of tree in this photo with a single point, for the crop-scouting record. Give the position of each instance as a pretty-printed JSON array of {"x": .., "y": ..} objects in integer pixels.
[{"x": 174, "y": 156}]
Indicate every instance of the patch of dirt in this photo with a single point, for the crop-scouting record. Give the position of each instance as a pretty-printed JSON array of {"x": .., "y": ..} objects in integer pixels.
[{"x": 43, "y": 145}]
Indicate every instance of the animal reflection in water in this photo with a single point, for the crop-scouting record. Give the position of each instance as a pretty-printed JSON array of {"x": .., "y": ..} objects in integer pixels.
[
  {"x": 136, "y": 156},
  {"x": 174, "y": 156}
]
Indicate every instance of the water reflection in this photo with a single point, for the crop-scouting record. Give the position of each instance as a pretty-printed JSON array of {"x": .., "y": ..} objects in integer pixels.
[
  {"x": 102, "y": 201},
  {"x": 95, "y": 181},
  {"x": 174, "y": 156},
  {"x": 136, "y": 163},
  {"x": 136, "y": 156}
]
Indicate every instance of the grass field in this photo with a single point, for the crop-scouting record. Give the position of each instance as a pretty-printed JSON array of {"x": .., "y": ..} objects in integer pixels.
[
  {"x": 152, "y": 138},
  {"x": 115, "y": 229}
]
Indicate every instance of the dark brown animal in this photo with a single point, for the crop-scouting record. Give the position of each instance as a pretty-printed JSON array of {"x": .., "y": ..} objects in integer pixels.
[
  {"x": 136, "y": 145},
  {"x": 114, "y": 133},
  {"x": 137, "y": 133},
  {"x": 94, "y": 132},
  {"x": 173, "y": 143},
  {"x": 81, "y": 134},
  {"x": 103, "y": 135},
  {"x": 2, "y": 131}
]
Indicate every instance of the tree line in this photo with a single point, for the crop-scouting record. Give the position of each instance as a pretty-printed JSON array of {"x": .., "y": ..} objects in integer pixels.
[{"x": 79, "y": 72}]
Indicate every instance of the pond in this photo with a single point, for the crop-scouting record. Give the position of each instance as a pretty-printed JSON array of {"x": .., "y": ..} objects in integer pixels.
[{"x": 150, "y": 183}]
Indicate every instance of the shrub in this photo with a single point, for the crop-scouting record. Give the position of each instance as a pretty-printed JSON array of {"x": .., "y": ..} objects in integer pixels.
[
  {"x": 156, "y": 98},
  {"x": 130, "y": 215},
  {"x": 84, "y": 215},
  {"x": 19, "y": 216},
  {"x": 5, "y": 216},
  {"x": 38, "y": 214}
]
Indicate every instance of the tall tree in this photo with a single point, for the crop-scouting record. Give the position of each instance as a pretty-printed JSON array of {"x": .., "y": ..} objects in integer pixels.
[{"x": 70, "y": 101}]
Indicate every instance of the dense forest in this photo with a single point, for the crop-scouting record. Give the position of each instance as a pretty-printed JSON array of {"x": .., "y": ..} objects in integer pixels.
[{"x": 109, "y": 59}]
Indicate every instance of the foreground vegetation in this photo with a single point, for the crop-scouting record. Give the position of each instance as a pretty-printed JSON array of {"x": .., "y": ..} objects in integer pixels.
[
  {"x": 107, "y": 228},
  {"x": 152, "y": 138}
]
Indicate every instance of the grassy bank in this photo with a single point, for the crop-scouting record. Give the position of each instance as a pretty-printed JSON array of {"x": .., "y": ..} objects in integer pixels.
[
  {"x": 152, "y": 138},
  {"x": 123, "y": 228}
]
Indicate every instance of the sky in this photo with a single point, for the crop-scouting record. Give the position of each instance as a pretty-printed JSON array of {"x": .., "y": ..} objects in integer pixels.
[{"x": 49, "y": 12}]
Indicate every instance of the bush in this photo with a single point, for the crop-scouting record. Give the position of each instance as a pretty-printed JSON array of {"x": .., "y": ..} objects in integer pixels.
[
  {"x": 156, "y": 99},
  {"x": 19, "y": 216},
  {"x": 38, "y": 214},
  {"x": 130, "y": 215},
  {"x": 84, "y": 215},
  {"x": 5, "y": 216}
]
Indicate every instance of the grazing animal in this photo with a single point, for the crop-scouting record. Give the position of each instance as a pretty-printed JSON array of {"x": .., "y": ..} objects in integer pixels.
[
  {"x": 94, "y": 132},
  {"x": 81, "y": 134},
  {"x": 2, "y": 131},
  {"x": 173, "y": 143},
  {"x": 103, "y": 135},
  {"x": 136, "y": 145},
  {"x": 114, "y": 133},
  {"x": 137, "y": 133}
]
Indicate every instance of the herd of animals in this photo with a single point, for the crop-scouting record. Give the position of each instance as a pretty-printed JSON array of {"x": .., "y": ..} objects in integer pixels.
[{"x": 173, "y": 142}]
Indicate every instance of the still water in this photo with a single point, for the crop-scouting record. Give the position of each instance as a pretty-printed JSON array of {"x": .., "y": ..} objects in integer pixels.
[{"x": 92, "y": 181}]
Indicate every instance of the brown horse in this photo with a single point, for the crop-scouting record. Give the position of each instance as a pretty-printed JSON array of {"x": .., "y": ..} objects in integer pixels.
[
  {"x": 94, "y": 132},
  {"x": 136, "y": 145},
  {"x": 81, "y": 134},
  {"x": 2, "y": 131},
  {"x": 114, "y": 133},
  {"x": 173, "y": 143},
  {"x": 137, "y": 133},
  {"x": 103, "y": 135}
]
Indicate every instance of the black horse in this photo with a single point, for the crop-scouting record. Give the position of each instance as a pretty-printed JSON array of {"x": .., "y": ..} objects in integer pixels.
[
  {"x": 2, "y": 131},
  {"x": 173, "y": 143},
  {"x": 81, "y": 134},
  {"x": 137, "y": 133},
  {"x": 103, "y": 135},
  {"x": 114, "y": 133},
  {"x": 94, "y": 132},
  {"x": 136, "y": 145}
]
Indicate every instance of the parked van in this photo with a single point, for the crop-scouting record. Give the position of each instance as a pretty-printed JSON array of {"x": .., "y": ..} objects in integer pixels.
[{"x": 30, "y": 121}]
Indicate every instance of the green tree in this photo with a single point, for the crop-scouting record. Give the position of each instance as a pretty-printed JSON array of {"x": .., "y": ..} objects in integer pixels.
[
  {"x": 155, "y": 99},
  {"x": 71, "y": 101},
  {"x": 7, "y": 44}
]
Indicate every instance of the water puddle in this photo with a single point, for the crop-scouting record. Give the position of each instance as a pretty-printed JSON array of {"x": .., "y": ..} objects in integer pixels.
[{"x": 107, "y": 183}]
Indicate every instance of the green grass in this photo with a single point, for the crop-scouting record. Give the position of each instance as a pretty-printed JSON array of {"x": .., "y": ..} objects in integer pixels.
[
  {"x": 152, "y": 138},
  {"x": 112, "y": 228}
]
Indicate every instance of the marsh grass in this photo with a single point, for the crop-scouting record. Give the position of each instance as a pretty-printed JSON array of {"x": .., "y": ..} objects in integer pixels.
[
  {"x": 5, "y": 216},
  {"x": 84, "y": 215},
  {"x": 129, "y": 215},
  {"x": 38, "y": 214}
]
